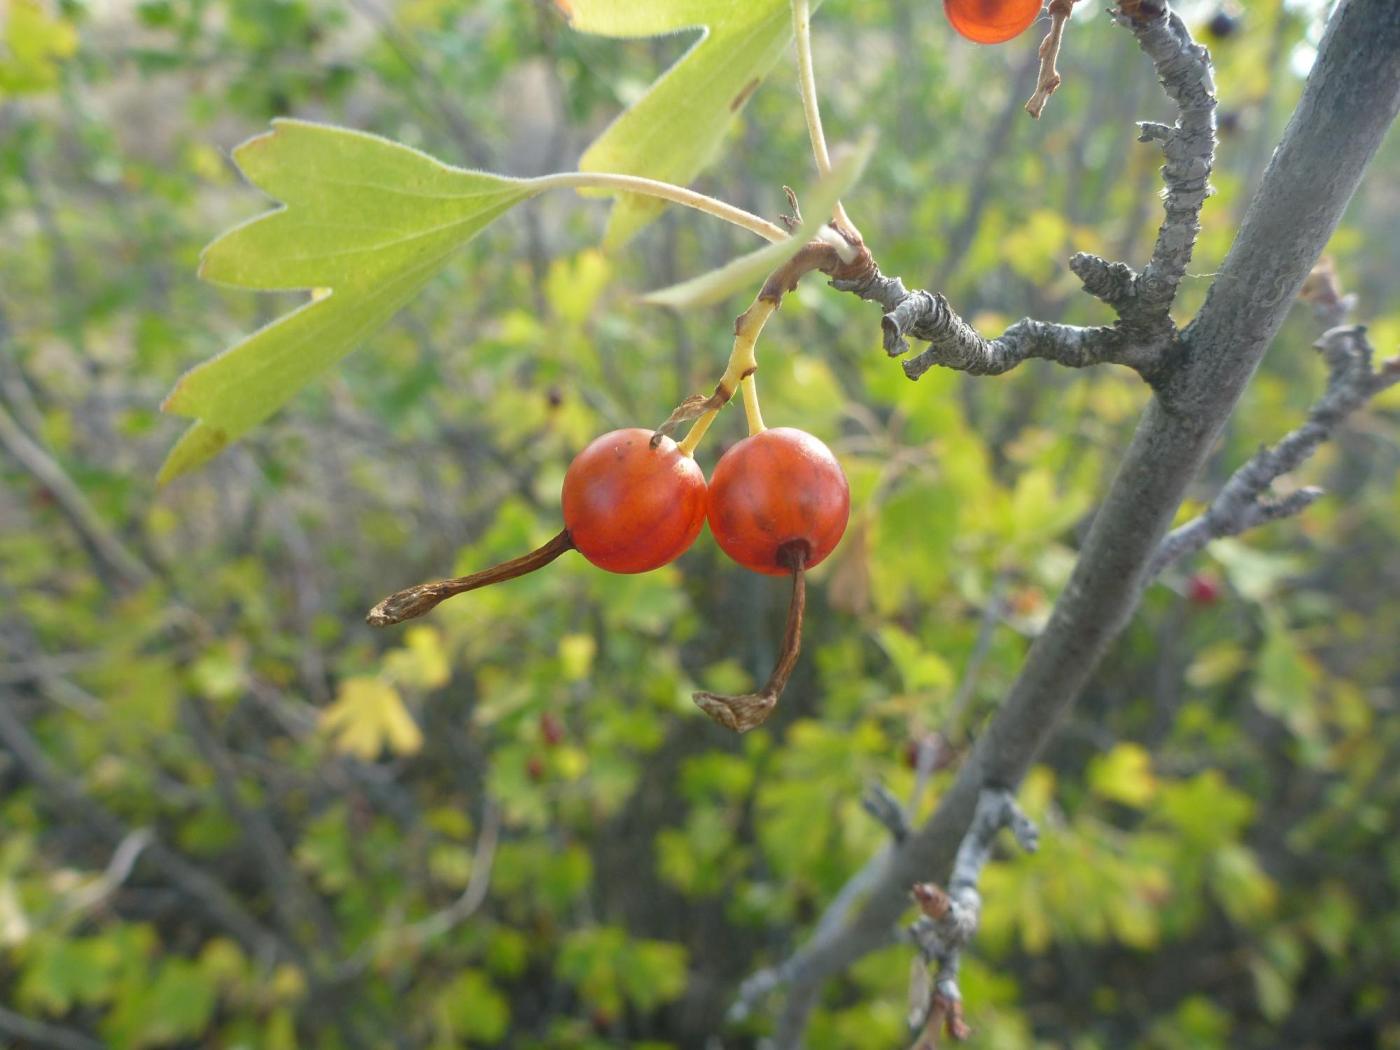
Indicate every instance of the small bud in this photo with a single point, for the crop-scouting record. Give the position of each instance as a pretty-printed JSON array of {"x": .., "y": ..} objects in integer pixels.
[
  {"x": 534, "y": 768},
  {"x": 931, "y": 899}
]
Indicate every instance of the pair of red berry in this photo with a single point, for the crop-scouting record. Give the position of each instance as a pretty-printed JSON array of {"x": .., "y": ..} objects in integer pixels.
[
  {"x": 630, "y": 506},
  {"x": 777, "y": 503}
]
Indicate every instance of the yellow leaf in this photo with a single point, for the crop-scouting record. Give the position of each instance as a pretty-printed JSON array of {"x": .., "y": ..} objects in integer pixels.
[
  {"x": 1124, "y": 775},
  {"x": 369, "y": 715},
  {"x": 576, "y": 652}
]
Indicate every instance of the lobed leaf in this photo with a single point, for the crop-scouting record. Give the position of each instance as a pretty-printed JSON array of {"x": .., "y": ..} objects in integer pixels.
[
  {"x": 365, "y": 223},
  {"x": 367, "y": 716}
]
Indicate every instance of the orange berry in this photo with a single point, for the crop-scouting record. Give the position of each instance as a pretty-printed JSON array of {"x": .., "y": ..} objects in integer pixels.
[
  {"x": 778, "y": 487},
  {"x": 991, "y": 21},
  {"x": 630, "y": 507}
]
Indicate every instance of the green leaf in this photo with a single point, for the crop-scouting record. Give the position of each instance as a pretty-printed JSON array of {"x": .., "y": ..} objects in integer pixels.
[
  {"x": 173, "y": 1003},
  {"x": 610, "y": 968},
  {"x": 920, "y": 668},
  {"x": 1286, "y": 681},
  {"x": 62, "y": 973},
  {"x": 673, "y": 132},
  {"x": 748, "y": 271},
  {"x": 366, "y": 223},
  {"x": 473, "y": 1010},
  {"x": 1244, "y": 889}
]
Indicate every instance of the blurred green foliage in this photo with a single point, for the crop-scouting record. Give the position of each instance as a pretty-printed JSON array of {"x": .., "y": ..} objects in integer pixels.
[{"x": 1219, "y": 864}]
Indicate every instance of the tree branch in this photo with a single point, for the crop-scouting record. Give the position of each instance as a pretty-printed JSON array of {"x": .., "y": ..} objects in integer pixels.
[
  {"x": 950, "y": 918},
  {"x": 1350, "y": 100},
  {"x": 1243, "y": 502},
  {"x": 954, "y": 343},
  {"x": 118, "y": 870},
  {"x": 1144, "y": 338},
  {"x": 449, "y": 918}
]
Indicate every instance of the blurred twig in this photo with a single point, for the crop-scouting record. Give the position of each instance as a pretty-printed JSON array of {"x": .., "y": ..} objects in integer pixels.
[
  {"x": 112, "y": 556},
  {"x": 1244, "y": 501},
  {"x": 43, "y": 1034}
]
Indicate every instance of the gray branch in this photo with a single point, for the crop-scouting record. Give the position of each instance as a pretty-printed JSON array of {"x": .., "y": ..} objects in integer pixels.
[
  {"x": 950, "y": 919},
  {"x": 1351, "y": 99},
  {"x": 1184, "y": 69},
  {"x": 1244, "y": 501},
  {"x": 42, "y": 1033},
  {"x": 954, "y": 343},
  {"x": 1144, "y": 337},
  {"x": 118, "y": 870}
]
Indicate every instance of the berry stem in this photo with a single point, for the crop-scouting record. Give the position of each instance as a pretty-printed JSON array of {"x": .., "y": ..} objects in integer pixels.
[
  {"x": 745, "y": 712},
  {"x": 688, "y": 444},
  {"x": 743, "y": 363},
  {"x": 415, "y": 601},
  {"x": 750, "y": 388}
]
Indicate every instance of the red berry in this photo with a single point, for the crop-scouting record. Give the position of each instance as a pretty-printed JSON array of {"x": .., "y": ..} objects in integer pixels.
[
  {"x": 1204, "y": 589},
  {"x": 991, "y": 21},
  {"x": 534, "y": 768},
  {"x": 776, "y": 488},
  {"x": 551, "y": 729},
  {"x": 629, "y": 507}
]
